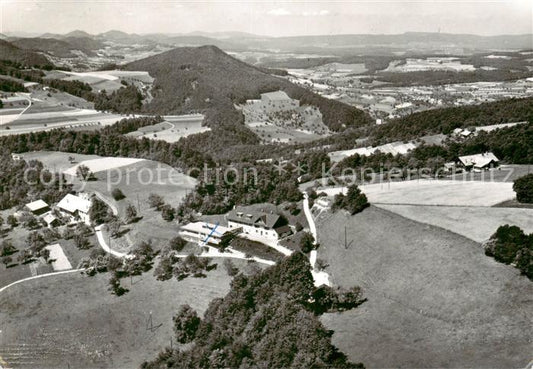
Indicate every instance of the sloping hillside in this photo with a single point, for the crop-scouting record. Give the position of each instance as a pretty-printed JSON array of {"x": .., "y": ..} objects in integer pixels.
[
  {"x": 10, "y": 52},
  {"x": 434, "y": 299},
  {"x": 207, "y": 79}
]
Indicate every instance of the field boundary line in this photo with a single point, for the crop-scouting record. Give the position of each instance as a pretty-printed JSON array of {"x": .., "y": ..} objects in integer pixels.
[
  {"x": 40, "y": 276},
  {"x": 434, "y": 205},
  {"x": 426, "y": 224}
]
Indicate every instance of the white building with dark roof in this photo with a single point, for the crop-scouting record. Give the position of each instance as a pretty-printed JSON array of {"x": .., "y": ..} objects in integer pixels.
[
  {"x": 76, "y": 207},
  {"x": 258, "y": 225},
  {"x": 479, "y": 162}
]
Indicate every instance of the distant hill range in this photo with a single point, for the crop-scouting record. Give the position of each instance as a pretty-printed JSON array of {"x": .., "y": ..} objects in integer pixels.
[
  {"x": 241, "y": 40},
  {"x": 12, "y": 53},
  {"x": 209, "y": 80},
  {"x": 61, "y": 48},
  {"x": 322, "y": 44},
  {"x": 418, "y": 40}
]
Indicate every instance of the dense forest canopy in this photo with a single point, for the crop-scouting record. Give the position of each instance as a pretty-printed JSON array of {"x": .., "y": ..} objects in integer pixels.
[
  {"x": 445, "y": 120},
  {"x": 22, "y": 182}
]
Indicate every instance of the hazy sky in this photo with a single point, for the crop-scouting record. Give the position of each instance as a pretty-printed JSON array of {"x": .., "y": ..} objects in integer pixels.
[{"x": 286, "y": 18}]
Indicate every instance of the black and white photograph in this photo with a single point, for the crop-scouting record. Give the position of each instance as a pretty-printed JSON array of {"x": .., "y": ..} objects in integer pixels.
[{"x": 244, "y": 184}]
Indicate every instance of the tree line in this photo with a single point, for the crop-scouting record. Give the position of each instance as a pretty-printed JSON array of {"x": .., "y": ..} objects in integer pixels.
[{"x": 22, "y": 182}]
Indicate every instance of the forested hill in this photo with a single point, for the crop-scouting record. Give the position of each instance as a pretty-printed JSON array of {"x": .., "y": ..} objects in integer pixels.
[
  {"x": 11, "y": 53},
  {"x": 209, "y": 80},
  {"x": 447, "y": 119},
  {"x": 60, "y": 48}
]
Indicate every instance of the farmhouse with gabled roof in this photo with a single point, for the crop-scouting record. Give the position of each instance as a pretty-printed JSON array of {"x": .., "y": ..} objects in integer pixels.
[
  {"x": 75, "y": 207},
  {"x": 259, "y": 225},
  {"x": 479, "y": 161}
]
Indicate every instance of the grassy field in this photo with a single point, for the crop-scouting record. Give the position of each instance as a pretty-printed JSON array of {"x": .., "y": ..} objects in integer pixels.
[
  {"x": 173, "y": 128},
  {"x": 57, "y": 161},
  {"x": 431, "y": 192},
  {"x": 475, "y": 223},
  {"x": 137, "y": 181},
  {"x": 504, "y": 173},
  {"x": 73, "y": 320},
  {"x": 434, "y": 298}
]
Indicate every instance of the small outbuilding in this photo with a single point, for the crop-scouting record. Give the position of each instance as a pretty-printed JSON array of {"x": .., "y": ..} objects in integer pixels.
[
  {"x": 38, "y": 207},
  {"x": 51, "y": 220}
]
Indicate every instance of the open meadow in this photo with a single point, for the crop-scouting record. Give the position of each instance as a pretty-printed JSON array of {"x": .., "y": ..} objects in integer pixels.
[
  {"x": 475, "y": 223},
  {"x": 103, "y": 80},
  {"x": 173, "y": 128},
  {"x": 434, "y": 298},
  {"x": 73, "y": 320},
  {"x": 434, "y": 192}
]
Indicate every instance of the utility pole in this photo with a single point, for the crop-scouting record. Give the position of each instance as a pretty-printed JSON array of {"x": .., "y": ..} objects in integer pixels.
[
  {"x": 346, "y": 243},
  {"x": 151, "y": 322},
  {"x": 138, "y": 205}
]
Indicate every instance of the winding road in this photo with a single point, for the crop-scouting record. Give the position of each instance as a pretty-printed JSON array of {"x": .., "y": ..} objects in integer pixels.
[{"x": 320, "y": 277}]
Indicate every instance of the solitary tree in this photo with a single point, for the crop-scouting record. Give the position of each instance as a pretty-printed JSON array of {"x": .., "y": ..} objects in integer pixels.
[
  {"x": 118, "y": 194},
  {"x": 177, "y": 243},
  {"x": 523, "y": 187},
  {"x": 7, "y": 248},
  {"x": 131, "y": 213},
  {"x": 307, "y": 242},
  {"x": 84, "y": 173},
  {"x": 98, "y": 211},
  {"x": 155, "y": 201},
  {"x": 7, "y": 260},
  {"x": 12, "y": 221},
  {"x": 114, "y": 227},
  {"x": 168, "y": 213}
]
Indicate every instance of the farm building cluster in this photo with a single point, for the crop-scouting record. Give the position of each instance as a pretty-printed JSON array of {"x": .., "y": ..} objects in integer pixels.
[{"x": 71, "y": 209}]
